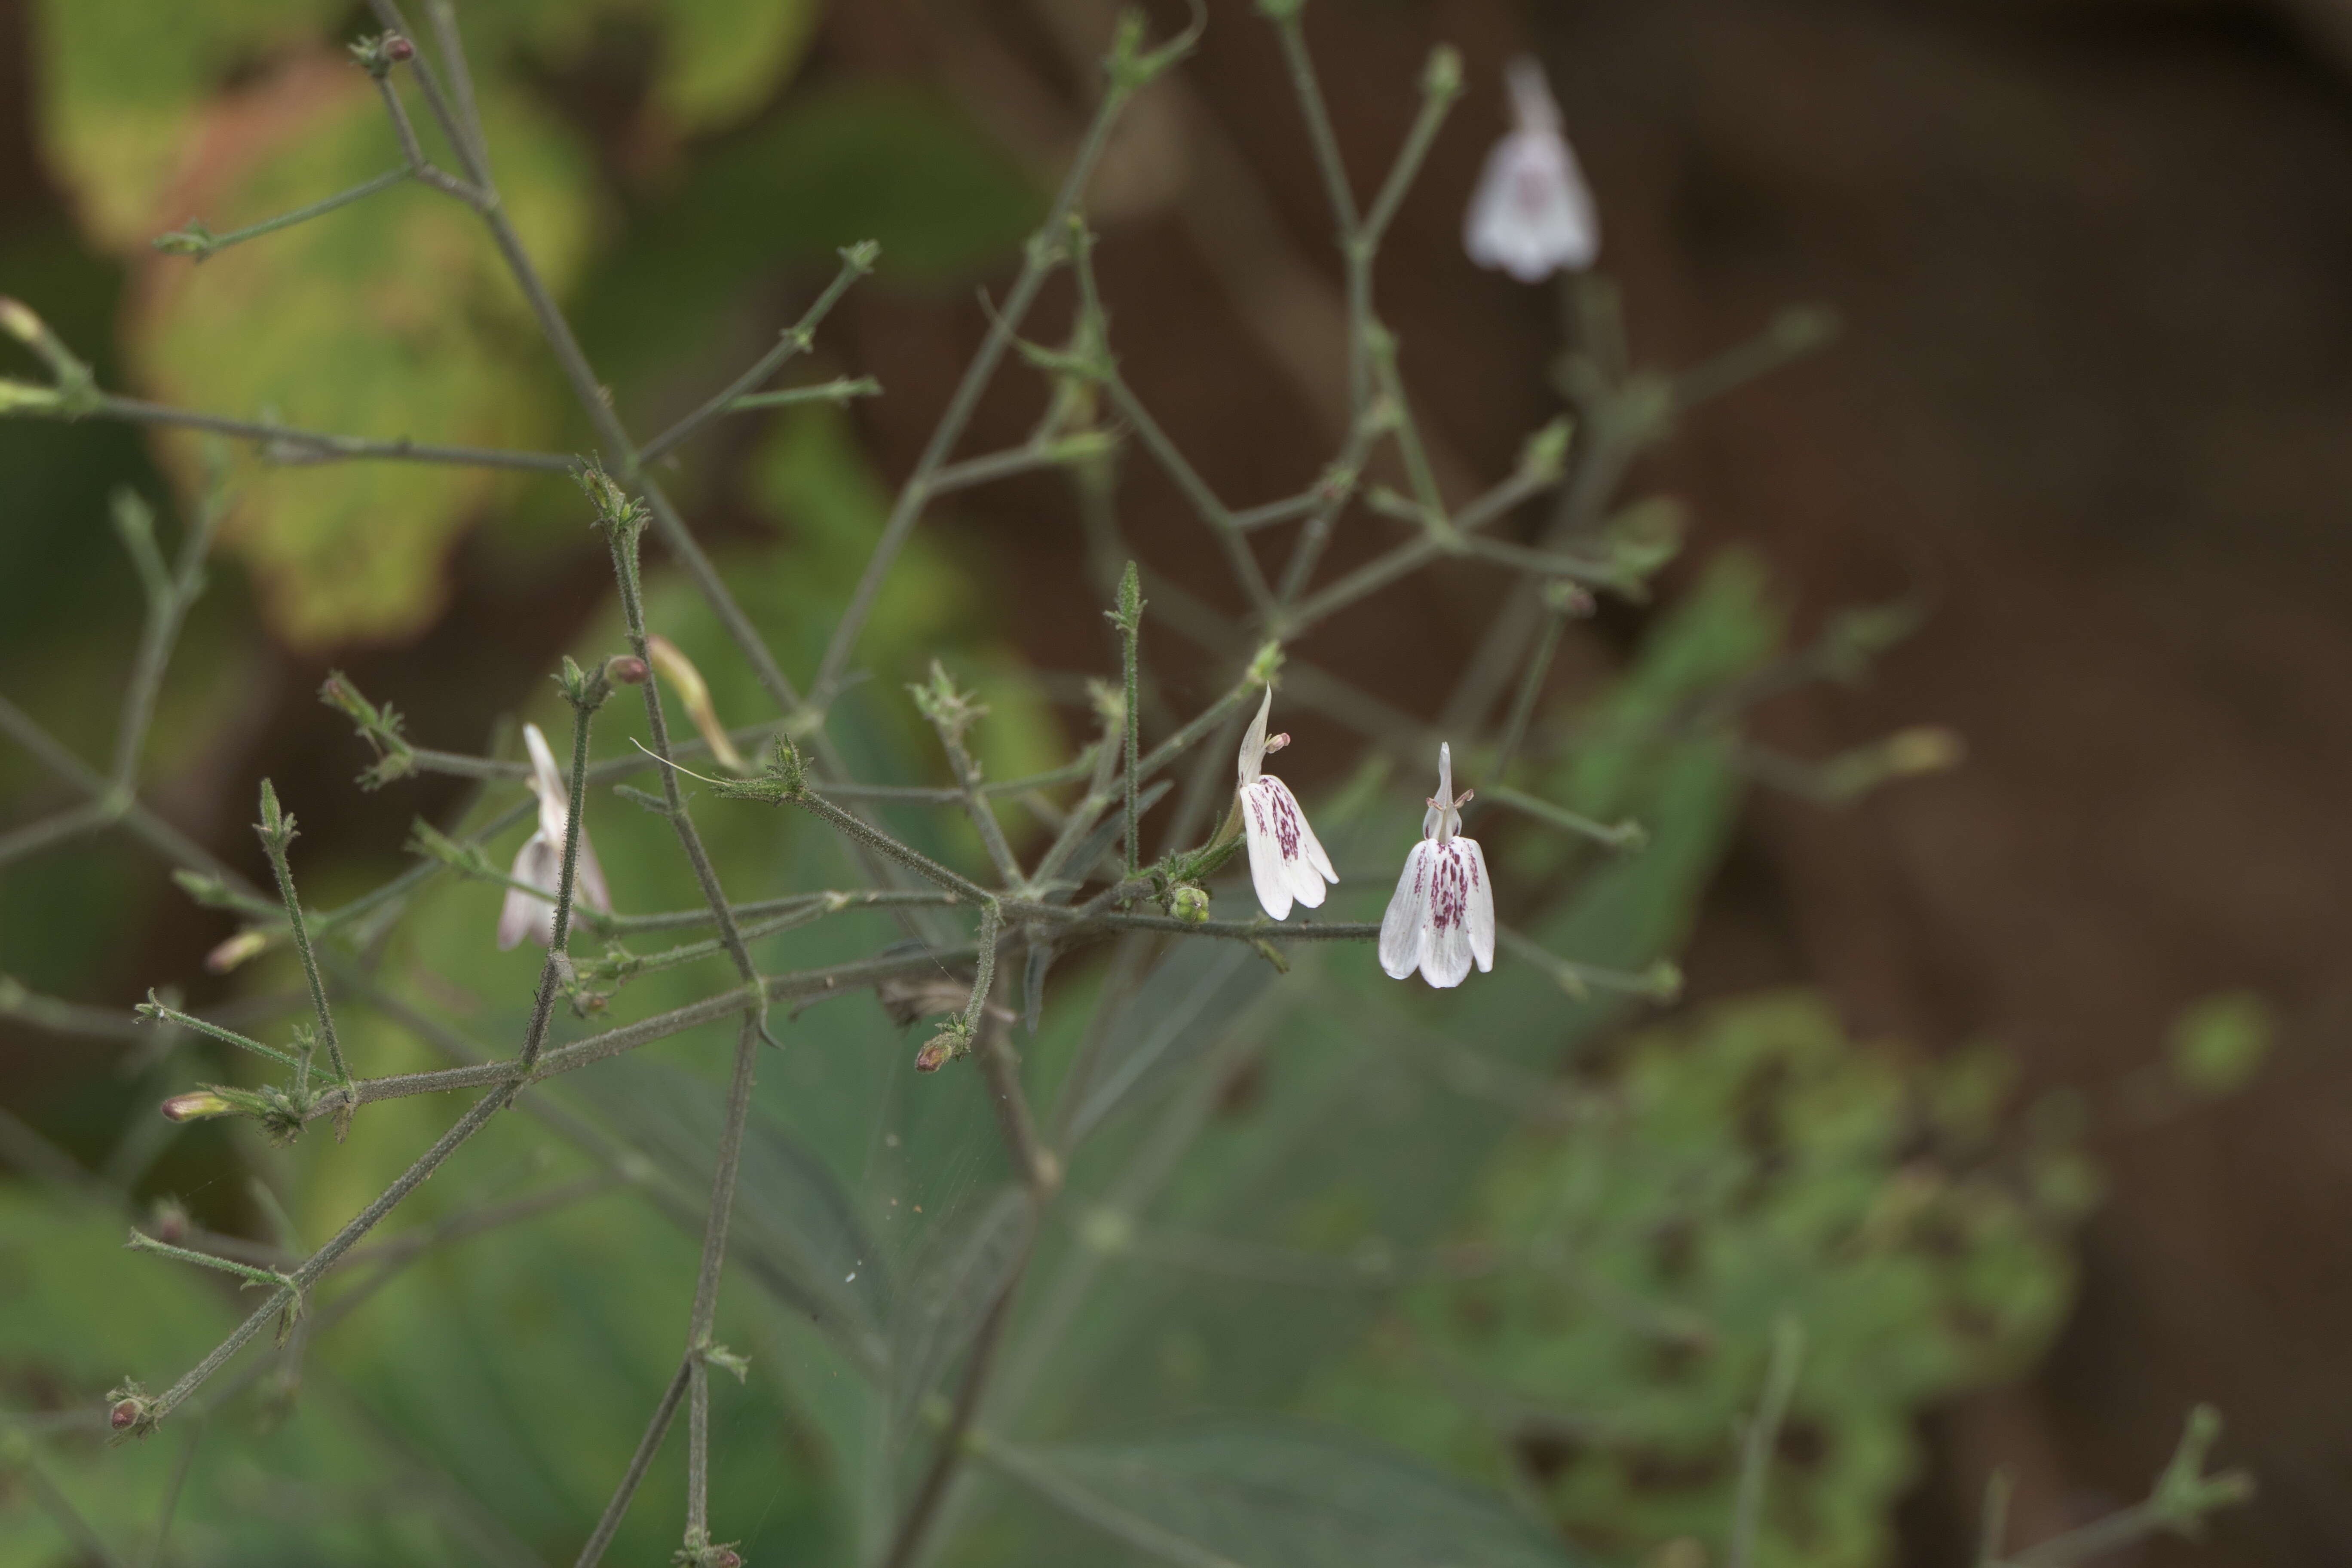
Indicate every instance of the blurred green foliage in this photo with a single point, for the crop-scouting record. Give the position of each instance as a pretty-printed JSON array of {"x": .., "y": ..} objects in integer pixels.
[
  {"x": 1623, "y": 1268},
  {"x": 390, "y": 318}
]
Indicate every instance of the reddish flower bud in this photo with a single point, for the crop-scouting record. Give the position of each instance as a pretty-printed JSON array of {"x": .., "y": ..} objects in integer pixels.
[
  {"x": 245, "y": 945},
  {"x": 397, "y": 47},
  {"x": 625, "y": 669},
  {"x": 123, "y": 1414},
  {"x": 195, "y": 1107}
]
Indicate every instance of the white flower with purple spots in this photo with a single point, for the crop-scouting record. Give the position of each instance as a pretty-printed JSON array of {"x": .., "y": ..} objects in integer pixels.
[
  {"x": 539, "y": 862},
  {"x": 1533, "y": 215},
  {"x": 1443, "y": 914},
  {"x": 1286, "y": 862}
]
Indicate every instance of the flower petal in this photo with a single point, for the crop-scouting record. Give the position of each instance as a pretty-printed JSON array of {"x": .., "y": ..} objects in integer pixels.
[
  {"x": 1445, "y": 957},
  {"x": 1434, "y": 821},
  {"x": 1532, "y": 214},
  {"x": 1404, "y": 928},
  {"x": 537, "y": 864},
  {"x": 1532, "y": 107},
  {"x": 1266, "y": 872},
  {"x": 1253, "y": 754},
  {"x": 1306, "y": 864},
  {"x": 1481, "y": 913},
  {"x": 547, "y": 782},
  {"x": 588, "y": 877}
]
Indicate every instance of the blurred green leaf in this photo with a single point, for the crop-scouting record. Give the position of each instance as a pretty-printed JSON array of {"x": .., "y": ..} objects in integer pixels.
[
  {"x": 390, "y": 318},
  {"x": 1747, "y": 1164},
  {"x": 2218, "y": 1045},
  {"x": 1272, "y": 1494},
  {"x": 794, "y": 1225},
  {"x": 951, "y": 1288},
  {"x": 720, "y": 58},
  {"x": 1177, "y": 1015}
]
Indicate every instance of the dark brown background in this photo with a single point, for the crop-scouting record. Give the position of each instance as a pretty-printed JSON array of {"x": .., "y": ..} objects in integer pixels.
[{"x": 2094, "y": 395}]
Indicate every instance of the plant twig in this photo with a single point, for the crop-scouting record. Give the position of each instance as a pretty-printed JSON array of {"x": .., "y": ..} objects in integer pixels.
[
  {"x": 203, "y": 244},
  {"x": 856, "y": 261},
  {"x": 1042, "y": 255},
  {"x": 1762, "y": 1436},
  {"x": 276, "y": 829}
]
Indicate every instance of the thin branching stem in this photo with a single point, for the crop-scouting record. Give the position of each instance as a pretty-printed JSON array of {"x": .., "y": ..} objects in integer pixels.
[
  {"x": 793, "y": 905},
  {"x": 1081, "y": 816},
  {"x": 1327, "y": 161},
  {"x": 798, "y": 339},
  {"x": 285, "y": 443},
  {"x": 167, "y": 610},
  {"x": 1043, "y": 254},
  {"x": 1131, "y": 631},
  {"x": 1025, "y": 458},
  {"x": 1331, "y": 498},
  {"x": 834, "y": 980},
  {"x": 276, "y": 831},
  {"x": 706, "y": 1284},
  {"x": 56, "y": 828},
  {"x": 622, "y": 532},
  {"x": 858, "y": 829},
  {"x": 1531, "y": 683},
  {"x": 473, "y": 1122},
  {"x": 202, "y": 243},
  {"x": 163, "y": 1014},
  {"x": 1762, "y": 1436},
  {"x": 840, "y": 389}
]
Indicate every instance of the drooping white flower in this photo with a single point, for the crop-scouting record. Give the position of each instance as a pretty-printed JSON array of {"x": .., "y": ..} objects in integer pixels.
[
  {"x": 539, "y": 862},
  {"x": 1286, "y": 862},
  {"x": 1442, "y": 915},
  {"x": 1533, "y": 215}
]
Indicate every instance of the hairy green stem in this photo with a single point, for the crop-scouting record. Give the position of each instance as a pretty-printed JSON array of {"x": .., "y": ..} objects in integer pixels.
[{"x": 276, "y": 831}]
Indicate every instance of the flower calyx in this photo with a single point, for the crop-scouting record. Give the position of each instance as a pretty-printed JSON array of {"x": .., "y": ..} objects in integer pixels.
[
  {"x": 586, "y": 689},
  {"x": 378, "y": 52},
  {"x": 701, "y": 1552},
  {"x": 783, "y": 776},
  {"x": 129, "y": 1411},
  {"x": 380, "y": 727},
  {"x": 953, "y": 1041},
  {"x": 616, "y": 510}
]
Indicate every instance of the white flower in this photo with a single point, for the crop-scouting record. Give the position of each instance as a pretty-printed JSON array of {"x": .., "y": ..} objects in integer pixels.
[
  {"x": 539, "y": 862},
  {"x": 1533, "y": 215},
  {"x": 1286, "y": 862},
  {"x": 1443, "y": 914}
]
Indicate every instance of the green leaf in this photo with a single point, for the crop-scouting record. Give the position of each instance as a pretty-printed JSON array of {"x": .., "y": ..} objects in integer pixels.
[
  {"x": 721, "y": 58},
  {"x": 1746, "y": 1163},
  {"x": 1273, "y": 1494},
  {"x": 121, "y": 81},
  {"x": 794, "y": 1228},
  {"x": 389, "y": 318},
  {"x": 1173, "y": 1020},
  {"x": 950, "y": 1288}
]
